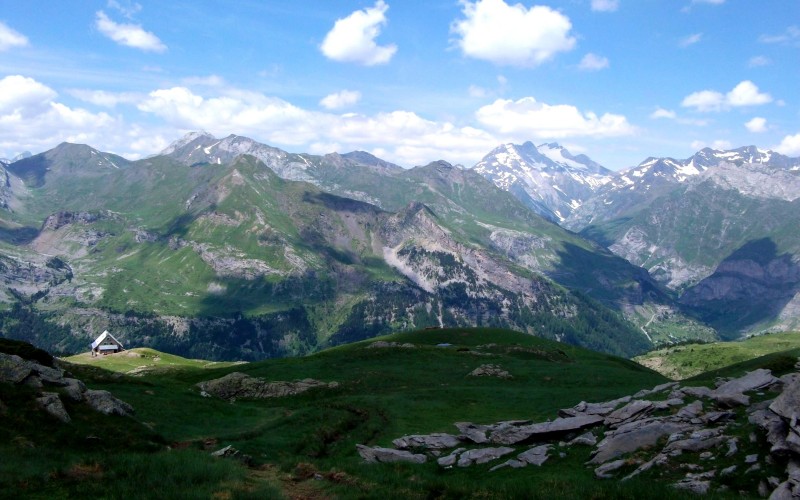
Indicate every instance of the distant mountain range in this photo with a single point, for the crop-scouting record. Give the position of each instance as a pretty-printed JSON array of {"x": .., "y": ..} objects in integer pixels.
[{"x": 228, "y": 248}]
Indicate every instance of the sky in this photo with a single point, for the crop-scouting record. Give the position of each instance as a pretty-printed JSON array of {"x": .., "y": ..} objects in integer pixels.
[{"x": 410, "y": 82}]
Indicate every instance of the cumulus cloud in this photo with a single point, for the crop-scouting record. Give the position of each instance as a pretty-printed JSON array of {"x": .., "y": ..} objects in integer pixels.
[
  {"x": 605, "y": 5},
  {"x": 663, "y": 113},
  {"x": 10, "y": 38},
  {"x": 690, "y": 40},
  {"x": 31, "y": 118},
  {"x": 352, "y": 38},
  {"x": 503, "y": 34},
  {"x": 789, "y": 146},
  {"x": 527, "y": 118},
  {"x": 593, "y": 62},
  {"x": 757, "y": 125},
  {"x": 746, "y": 93},
  {"x": 340, "y": 99},
  {"x": 130, "y": 35}
]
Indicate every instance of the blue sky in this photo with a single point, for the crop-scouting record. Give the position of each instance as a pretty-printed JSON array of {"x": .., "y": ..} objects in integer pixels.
[{"x": 412, "y": 81}]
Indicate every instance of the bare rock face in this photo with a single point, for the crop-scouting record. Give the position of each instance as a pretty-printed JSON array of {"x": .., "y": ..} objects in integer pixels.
[
  {"x": 632, "y": 437},
  {"x": 239, "y": 385},
  {"x": 512, "y": 434},
  {"x": 482, "y": 455}
]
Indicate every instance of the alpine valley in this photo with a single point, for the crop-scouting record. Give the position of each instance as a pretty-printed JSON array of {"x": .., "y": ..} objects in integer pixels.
[{"x": 232, "y": 249}]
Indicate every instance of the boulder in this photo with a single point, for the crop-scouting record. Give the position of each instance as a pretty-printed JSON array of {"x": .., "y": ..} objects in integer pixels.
[
  {"x": 106, "y": 403},
  {"x": 634, "y": 410},
  {"x": 534, "y": 456},
  {"x": 436, "y": 441},
  {"x": 696, "y": 392},
  {"x": 690, "y": 411},
  {"x": 482, "y": 455},
  {"x": 388, "y": 455},
  {"x": 239, "y": 385},
  {"x": 513, "y": 434},
  {"x": 756, "y": 379},
  {"x": 13, "y": 369},
  {"x": 52, "y": 404},
  {"x": 587, "y": 439},
  {"x": 584, "y": 408},
  {"x": 787, "y": 404},
  {"x": 74, "y": 389},
  {"x": 655, "y": 390},
  {"x": 697, "y": 441},
  {"x": 698, "y": 484},
  {"x": 490, "y": 371},
  {"x": 231, "y": 452}
]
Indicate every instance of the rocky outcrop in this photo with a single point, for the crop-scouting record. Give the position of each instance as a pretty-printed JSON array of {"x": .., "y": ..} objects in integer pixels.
[
  {"x": 18, "y": 371},
  {"x": 388, "y": 455},
  {"x": 679, "y": 428},
  {"x": 239, "y": 385}
]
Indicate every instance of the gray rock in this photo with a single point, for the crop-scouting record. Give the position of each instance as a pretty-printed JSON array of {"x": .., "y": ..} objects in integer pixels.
[
  {"x": 727, "y": 471},
  {"x": 663, "y": 405},
  {"x": 751, "y": 459},
  {"x": 587, "y": 439},
  {"x": 696, "y": 486},
  {"x": 238, "y": 385},
  {"x": 714, "y": 417},
  {"x": 785, "y": 491},
  {"x": 697, "y": 441},
  {"x": 388, "y": 455},
  {"x": 490, "y": 371},
  {"x": 731, "y": 393},
  {"x": 787, "y": 404},
  {"x": 655, "y": 390},
  {"x": 435, "y": 441},
  {"x": 690, "y": 411},
  {"x": 231, "y": 452},
  {"x": 473, "y": 432},
  {"x": 450, "y": 460},
  {"x": 74, "y": 389},
  {"x": 512, "y": 434},
  {"x": 732, "y": 447},
  {"x": 658, "y": 460},
  {"x": 696, "y": 392},
  {"x": 106, "y": 403},
  {"x": 731, "y": 400},
  {"x": 536, "y": 455},
  {"x": 584, "y": 408},
  {"x": 482, "y": 455},
  {"x": 634, "y": 436},
  {"x": 51, "y": 376},
  {"x": 632, "y": 411},
  {"x": 605, "y": 470},
  {"x": 776, "y": 428},
  {"x": 52, "y": 404},
  {"x": 13, "y": 369}
]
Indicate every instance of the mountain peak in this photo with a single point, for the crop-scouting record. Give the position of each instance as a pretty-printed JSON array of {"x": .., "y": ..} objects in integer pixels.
[{"x": 187, "y": 139}]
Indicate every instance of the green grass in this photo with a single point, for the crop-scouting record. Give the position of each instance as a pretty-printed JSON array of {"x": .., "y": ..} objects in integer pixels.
[
  {"x": 143, "y": 360},
  {"x": 689, "y": 360}
]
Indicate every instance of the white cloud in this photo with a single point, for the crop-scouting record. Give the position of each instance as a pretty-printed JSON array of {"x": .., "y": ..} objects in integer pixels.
[
  {"x": 719, "y": 145},
  {"x": 31, "y": 119},
  {"x": 340, "y": 99},
  {"x": 663, "y": 113},
  {"x": 757, "y": 61},
  {"x": 790, "y": 36},
  {"x": 757, "y": 125},
  {"x": 128, "y": 10},
  {"x": 352, "y": 38},
  {"x": 593, "y": 62},
  {"x": 690, "y": 40},
  {"x": 104, "y": 98},
  {"x": 526, "y": 118},
  {"x": 746, "y": 93},
  {"x": 512, "y": 35},
  {"x": 10, "y": 38},
  {"x": 605, "y": 5},
  {"x": 478, "y": 92},
  {"x": 207, "y": 81},
  {"x": 130, "y": 35},
  {"x": 789, "y": 146}
]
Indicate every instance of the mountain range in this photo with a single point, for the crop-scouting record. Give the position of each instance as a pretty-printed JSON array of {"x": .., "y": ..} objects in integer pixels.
[{"x": 228, "y": 248}]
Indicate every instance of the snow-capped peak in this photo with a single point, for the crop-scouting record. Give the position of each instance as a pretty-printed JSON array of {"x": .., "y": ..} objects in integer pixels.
[{"x": 186, "y": 139}]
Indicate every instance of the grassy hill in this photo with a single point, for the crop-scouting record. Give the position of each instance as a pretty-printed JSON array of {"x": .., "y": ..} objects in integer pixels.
[
  {"x": 383, "y": 393},
  {"x": 689, "y": 360},
  {"x": 143, "y": 360}
]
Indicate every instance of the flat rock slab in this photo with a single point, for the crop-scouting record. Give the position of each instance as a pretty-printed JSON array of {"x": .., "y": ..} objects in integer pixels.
[
  {"x": 512, "y": 434},
  {"x": 388, "y": 455},
  {"x": 634, "y": 410},
  {"x": 787, "y": 404}
]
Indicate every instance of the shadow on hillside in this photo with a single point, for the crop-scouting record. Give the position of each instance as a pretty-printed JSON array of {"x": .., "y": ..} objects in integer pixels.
[
  {"x": 18, "y": 235},
  {"x": 749, "y": 288},
  {"x": 337, "y": 203},
  {"x": 606, "y": 278}
]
